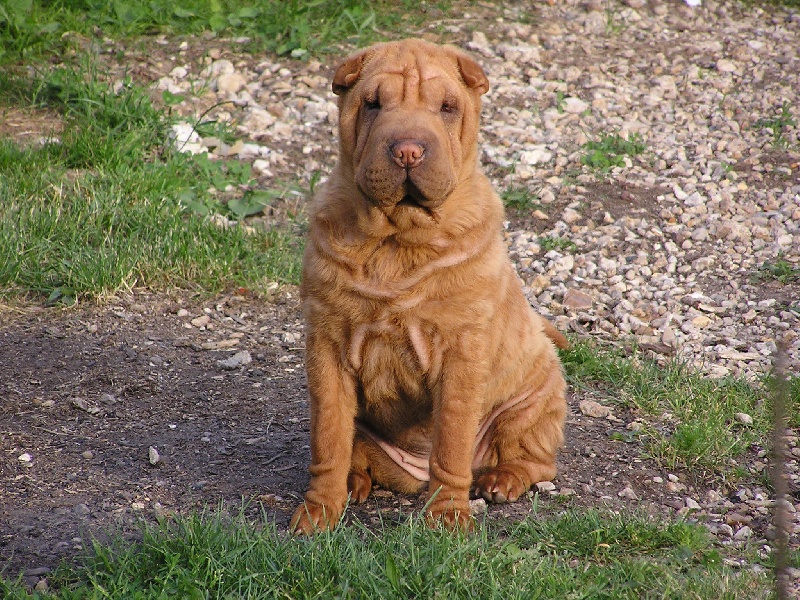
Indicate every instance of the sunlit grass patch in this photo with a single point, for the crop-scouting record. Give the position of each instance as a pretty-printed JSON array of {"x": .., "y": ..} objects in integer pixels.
[
  {"x": 589, "y": 554},
  {"x": 98, "y": 208},
  {"x": 696, "y": 415}
]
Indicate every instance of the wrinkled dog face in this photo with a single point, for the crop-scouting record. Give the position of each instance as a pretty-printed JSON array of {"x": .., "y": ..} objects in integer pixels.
[{"x": 410, "y": 129}]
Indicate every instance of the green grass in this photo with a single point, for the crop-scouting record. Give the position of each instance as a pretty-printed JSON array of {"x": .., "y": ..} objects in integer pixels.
[
  {"x": 577, "y": 554},
  {"x": 35, "y": 28},
  {"x": 779, "y": 126},
  {"x": 610, "y": 151},
  {"x": 556, "y": 243},
  {"x": 697, "y": 427},
  {"x": 104, "y": 208},
  {"x": 520, "y": 198},
  {"x": 778, "y": 270}
]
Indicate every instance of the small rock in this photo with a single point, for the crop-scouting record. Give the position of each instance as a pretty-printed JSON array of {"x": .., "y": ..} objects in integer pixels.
[
  {"x": 237, "y": 360},
  {"x": 184, "y": 133},
  {"x": 88, "y": 455},
  {"x": 257, "y": 120},
  {"x": 220, "y": 344},
  {"x": 725, "y": 65},
  {"x": 692, "y": 504},
  {"x": 590, "y": 408},
  {"x": 574, "y": 105},
  {"x": 182, "y": 312},
  {"x": 85, "y": 406},
  {"x": 737, "y": 519},
  {"x": 627, "y": 493},
  {"x": 570, "y": 215},
  {"x": 701, "y": 321},
  {"x": 25, "y": 458},
  {"x": 230, "y": 83},
  {"x": 744, "y": 418},
  {"x": 535, "y": 156},
  {"x": 545, "y": 486},
  {"x": 201, "y": 321},
  {"x": 262, "y": 166},
  {"x": 41, "y": 586},
  {"x": 81, "y": 510},
  {"x": 477, "y": 506},
  {"x": 137, "y": 505},
  {"x": 743, "y": 533},
  {"x": 577, "y": 300},
  {"x": 153, "y": 455}
]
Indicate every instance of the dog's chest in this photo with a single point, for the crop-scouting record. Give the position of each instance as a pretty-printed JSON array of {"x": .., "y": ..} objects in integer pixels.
[{"x": 393, "y": 359}]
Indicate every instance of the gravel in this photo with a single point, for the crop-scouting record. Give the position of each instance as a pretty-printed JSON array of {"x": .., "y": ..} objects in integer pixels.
[{"x": 666, "y": 251}]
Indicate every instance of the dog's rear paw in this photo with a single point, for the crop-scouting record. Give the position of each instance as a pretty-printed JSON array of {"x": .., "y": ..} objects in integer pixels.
[
  {"x": 359, "y": 484},
  {"x": 500, "y": 484},
  {"x": 311, "y": 517}
]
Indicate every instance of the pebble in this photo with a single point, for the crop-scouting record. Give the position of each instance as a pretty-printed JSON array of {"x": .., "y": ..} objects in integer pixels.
[
  {"x": 237, "y": 360},
  {"x": 153, "y": 456},
  {"x": 590, "y": 408},
  {"x": 577, "y": 300},
  {"x": 744, "y": 418},
  {"x": 478, "y": 506},
  {"x": 201, "y": 321},
  {"x": 545, "y": 486},
  {"x": 627, "y": 493}
]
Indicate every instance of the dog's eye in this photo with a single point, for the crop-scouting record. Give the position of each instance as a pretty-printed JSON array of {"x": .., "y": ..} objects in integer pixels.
[
  {"x": 372, "y": 104},
  {"x": 448, "y": 107}
]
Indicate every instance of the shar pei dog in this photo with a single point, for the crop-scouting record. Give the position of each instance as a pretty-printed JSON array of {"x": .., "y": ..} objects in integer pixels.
[{"x": 426, "y": 365}]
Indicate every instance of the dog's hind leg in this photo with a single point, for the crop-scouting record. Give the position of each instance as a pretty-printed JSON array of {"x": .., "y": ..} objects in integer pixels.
[
  {"x": 521, "y": 449},
  {"x": 376, "y": 463}
]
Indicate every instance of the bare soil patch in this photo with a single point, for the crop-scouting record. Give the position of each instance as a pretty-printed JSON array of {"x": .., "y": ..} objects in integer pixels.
[{"x": 86, "y": 393}]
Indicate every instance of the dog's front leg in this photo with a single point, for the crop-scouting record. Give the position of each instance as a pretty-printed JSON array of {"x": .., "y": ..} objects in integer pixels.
[
  {"x": 457, "y": 412},
  {"x": 332, "y": 391}
]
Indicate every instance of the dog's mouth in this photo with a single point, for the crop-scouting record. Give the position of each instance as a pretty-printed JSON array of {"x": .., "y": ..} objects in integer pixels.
[
  {"x": 409, "y": 200},
  {"x": 414, "y": 198}
]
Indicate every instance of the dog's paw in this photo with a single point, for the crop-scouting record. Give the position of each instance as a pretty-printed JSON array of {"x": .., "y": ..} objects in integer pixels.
[
  {"x": 500, "y": 484},
  {"x": 359, "y": 484},
  {"x": 451, "y": 516},
  {"x": 311, "y": 517}
]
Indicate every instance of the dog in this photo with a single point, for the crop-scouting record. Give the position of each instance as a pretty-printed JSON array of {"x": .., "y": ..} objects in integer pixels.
[{"x": 426, "y": 365}]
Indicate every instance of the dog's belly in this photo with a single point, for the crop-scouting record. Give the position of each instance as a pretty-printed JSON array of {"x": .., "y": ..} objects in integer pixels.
[{"x": 392, "y": 363}]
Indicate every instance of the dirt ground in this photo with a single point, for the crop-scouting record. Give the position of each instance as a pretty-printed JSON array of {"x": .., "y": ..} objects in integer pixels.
[{"x": 87, "y": 393}]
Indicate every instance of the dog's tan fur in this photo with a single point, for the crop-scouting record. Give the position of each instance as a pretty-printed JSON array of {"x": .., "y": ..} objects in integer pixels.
[{"x": 421, "y": 348}]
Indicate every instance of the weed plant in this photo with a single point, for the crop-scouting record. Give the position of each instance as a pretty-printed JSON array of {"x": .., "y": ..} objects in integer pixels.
[{"x": 610, "y": 151}]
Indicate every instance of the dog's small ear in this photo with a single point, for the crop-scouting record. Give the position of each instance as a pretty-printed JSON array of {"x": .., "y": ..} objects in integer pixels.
[
  {"x": 347, "y": 73},
  {"x": 472, "y": 74}
]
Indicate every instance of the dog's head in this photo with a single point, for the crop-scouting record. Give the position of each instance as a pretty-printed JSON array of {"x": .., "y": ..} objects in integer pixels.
[{"x": 408, "y": 118}]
